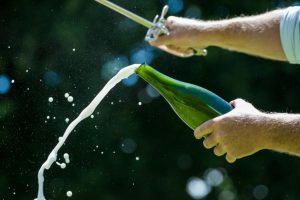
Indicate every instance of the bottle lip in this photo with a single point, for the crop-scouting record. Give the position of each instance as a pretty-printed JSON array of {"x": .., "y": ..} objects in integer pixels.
[{"x": 139, "y": 68}]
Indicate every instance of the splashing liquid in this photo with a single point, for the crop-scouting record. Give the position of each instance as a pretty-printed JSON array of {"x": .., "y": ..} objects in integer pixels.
[{"x": 122, "y": 74}]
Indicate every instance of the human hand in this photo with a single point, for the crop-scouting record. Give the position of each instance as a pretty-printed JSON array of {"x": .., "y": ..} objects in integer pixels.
[
  {"x": 237, "y": 134},
  {"x": 183, "y": 38}
]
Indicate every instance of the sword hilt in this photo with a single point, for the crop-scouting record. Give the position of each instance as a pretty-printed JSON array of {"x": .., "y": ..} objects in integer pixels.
[{"x": 160, "y": 28}]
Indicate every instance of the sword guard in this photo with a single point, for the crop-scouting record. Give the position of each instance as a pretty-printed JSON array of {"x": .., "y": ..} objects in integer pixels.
[{"x": 159, "y": 27}]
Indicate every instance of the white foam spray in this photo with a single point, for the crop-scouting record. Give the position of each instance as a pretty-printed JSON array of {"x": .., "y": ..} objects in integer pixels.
[{"x": 122, "y": 74}]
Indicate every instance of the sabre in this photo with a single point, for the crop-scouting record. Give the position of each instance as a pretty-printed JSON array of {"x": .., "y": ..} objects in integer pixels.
[{"x": 155, "y": 28}]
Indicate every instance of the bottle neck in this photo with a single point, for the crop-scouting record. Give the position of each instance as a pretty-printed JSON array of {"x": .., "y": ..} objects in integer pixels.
[{"x": 154, "y": 78}]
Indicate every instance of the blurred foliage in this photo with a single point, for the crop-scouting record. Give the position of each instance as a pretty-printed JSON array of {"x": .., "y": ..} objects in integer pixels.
[{"x": 52, "y": 47}]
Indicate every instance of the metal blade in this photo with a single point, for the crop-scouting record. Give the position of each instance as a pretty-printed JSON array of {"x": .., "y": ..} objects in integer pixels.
[{"x": 127, "y": 13}]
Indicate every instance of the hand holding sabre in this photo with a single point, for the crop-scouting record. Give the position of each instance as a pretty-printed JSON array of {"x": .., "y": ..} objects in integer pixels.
[{"x": 158, "y": 31}]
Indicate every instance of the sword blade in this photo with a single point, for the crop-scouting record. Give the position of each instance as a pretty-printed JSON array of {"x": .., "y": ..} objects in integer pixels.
[{"x": 127, "y": 13}]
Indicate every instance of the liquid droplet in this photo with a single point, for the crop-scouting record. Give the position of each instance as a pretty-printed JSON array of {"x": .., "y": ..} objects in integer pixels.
[
  {"x": 67, "y": 95},
  {"x": 67, "y": 158},
  {"x": 69, "y": 193},
  {"x": 50, "y": 99},
  {"x": 70, "y": 99}
]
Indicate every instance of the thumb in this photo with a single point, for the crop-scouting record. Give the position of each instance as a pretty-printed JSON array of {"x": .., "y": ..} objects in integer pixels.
[
  {"x": 177, "y": 51},
  {"x": 204, "y": 129},
  {"x": 238, "y": 103}
]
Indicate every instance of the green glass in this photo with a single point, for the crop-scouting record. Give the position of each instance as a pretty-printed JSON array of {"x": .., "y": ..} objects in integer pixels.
[{"x": 193, "y": 104}]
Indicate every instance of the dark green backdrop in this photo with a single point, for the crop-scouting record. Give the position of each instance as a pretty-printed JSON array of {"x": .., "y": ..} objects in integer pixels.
[{"x": 75, "y": 46}]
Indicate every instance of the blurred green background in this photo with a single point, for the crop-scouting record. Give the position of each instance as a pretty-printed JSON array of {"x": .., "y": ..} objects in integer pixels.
[{"x": 128, "y": 151}]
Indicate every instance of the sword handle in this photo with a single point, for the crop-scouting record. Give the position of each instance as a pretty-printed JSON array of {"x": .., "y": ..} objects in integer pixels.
[{"x": 159, "y": 28}]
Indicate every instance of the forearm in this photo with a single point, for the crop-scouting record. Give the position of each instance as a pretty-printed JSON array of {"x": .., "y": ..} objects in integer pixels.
[
  {"x": 282, "y": 133},
  {"x": 256, "y": 35}
]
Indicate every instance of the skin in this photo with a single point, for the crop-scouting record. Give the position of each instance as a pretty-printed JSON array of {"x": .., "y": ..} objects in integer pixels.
[
  {"x": 255, "y": 35},
  {"x": 245, "y": 130}
]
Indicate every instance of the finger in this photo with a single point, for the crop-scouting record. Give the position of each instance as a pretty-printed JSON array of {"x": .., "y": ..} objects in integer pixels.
[
  {"x": 204, "y": 129},
  {"x": 170, "y": 22},
  {"x": 182, "y": 52},
  {"x": 219, "y": 150},
  {"x": 210, "y": 141},
  {"x": 238, "y": 102},
  {"x": 177, "y": 51},
  {"x": 230, "y": 158},
  {"x": 161, "y": 40}
]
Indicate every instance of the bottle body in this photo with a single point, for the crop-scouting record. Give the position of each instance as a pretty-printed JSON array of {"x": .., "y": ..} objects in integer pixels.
[{"x": 193, "y": 104}]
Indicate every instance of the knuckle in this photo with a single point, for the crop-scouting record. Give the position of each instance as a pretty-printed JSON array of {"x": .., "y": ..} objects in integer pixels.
[
  {"x": 170, "y": 21},
  {"x": 171, "y": 18}
]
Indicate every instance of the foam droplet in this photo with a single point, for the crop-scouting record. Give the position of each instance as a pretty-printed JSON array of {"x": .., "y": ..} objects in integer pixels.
[
  {"x": 62, "y": 165},
  {"x": 67, "y": 95},
  {"x": 13, "y": 81},
  {"x": 92, "y": 116},
  {"x": 67, "y": 120},
  {"x": 67, "y": 158},
  {"x": 69, "y": 193},
  {"x": 70, "y": 99},
  {"x": 140, "y": 103},
  {"x": 137, "y": 158}
]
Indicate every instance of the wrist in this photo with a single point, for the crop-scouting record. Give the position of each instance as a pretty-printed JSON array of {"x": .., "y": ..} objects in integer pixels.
[
  {"x": 280, "y": 131},
  {"x": 211, "y": 33}
]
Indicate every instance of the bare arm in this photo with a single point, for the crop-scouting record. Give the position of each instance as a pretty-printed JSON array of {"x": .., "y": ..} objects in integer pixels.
[
  {"x": 255, "y": 35},
  {"x": 245, "y": 130}
]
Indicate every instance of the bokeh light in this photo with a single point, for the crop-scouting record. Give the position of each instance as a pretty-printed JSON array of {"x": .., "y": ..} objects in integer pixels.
[
  {"x": 140, "y": 56},
  {"x": 5, "y": 84},
  {"x": 112, "y": 66},
  {"x": 184, "y": 161},
  {"x": 152, "y": 92},
  {"x": 175, "y": 6},
  {"x": 130, "y": 81},
  {"x": 226, "y": 195},
  {"x": 128, "y": 146},
  {"x": 296, "y": 3},
  {"x": 197, "y": 188},
  {"x": 52, "y": 78},
  {"x": 260, "y": 192},
  {"x": 214, "y": 177},
  {"x": 193, "y": 12}
]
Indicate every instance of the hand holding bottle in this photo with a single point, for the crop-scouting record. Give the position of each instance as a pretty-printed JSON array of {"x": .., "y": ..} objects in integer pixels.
[{"x": 239, "y": 133}]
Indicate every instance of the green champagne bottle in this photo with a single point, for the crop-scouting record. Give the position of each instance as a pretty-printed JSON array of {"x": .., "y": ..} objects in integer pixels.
[{"x": 193, "y": 104}]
